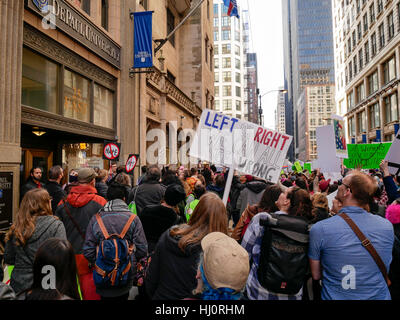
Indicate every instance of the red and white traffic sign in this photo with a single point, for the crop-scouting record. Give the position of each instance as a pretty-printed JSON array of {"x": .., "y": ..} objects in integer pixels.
[
  {"x": 111, "y": 151},
  {"x": 131, "y": 163}
]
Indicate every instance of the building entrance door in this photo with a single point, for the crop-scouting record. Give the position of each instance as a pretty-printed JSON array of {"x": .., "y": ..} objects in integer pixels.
[{"x": 39, "y": 158}]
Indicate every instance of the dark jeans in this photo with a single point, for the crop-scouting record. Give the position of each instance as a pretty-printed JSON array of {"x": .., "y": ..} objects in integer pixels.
[{"x": 120, "y": 298}]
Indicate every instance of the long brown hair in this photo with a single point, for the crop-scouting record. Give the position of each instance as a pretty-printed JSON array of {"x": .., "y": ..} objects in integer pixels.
[
  {"x": 300, "y": 203},
  {"x": 208, "y": 216},
  {"x": 35, "y": 203},
  {"x": 319, "y": 200}
]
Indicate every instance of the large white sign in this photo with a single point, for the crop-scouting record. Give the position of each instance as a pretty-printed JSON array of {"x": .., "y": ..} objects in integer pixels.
[
  {"x": 326, "y": 148},
  {"x": 242, "y": 145},
  {"x": 393, "y": 156}
]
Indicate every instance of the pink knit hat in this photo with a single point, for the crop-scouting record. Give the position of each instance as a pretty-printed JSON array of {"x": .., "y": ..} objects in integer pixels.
[{"x": 393, "y": 213}]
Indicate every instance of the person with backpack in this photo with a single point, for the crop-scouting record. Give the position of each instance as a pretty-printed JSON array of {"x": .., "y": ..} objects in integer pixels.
[
  {"x": 351, "y": 251},
  {"x": 33, "y": 225},
  {"x": 115, "y": 241},
  {"x": 267, "y": 204},
  {"x": 277, "y": 246},
  {"x": 172, "y": 271}
]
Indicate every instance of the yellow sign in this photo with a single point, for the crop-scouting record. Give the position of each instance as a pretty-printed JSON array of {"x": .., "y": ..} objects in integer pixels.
[{"x": 75, "y": 102}]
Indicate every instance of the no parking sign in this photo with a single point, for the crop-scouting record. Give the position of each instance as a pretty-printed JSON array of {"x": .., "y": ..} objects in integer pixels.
[{"x": 131, "y": 163}]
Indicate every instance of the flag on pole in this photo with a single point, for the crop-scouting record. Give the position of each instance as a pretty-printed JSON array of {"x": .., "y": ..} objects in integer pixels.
[{"x": 232, "y": 8}]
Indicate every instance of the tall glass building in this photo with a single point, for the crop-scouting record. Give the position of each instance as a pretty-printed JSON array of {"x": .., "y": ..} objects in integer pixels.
[{"x": 309, "y": 55}]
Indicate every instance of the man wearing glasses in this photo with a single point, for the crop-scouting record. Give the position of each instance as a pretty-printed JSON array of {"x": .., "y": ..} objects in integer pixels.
[{"x": 338, "y": 257}]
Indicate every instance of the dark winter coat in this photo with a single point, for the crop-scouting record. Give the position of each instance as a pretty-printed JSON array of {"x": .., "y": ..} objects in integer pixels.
[
  {"x": 218, "y": 190},
  {"x": 236, "y": 188},
  {"x": 148, "y": 193},
  {"x": 172, "y": 272},
  {"x": 115, "y": 215},
  {"x": 156, "y": 219},
  {"x": 251, "y": 194},
  {"x": 55, "y": 191},
  {"x": 320, "y": 214},
  {"x": 22, "y": 257},
  {"x": 391, "y": 189},
  {"x": 82, "y": 202},
  {"x": 102, "y": 188},
  {"x": 29, "y": 185}
]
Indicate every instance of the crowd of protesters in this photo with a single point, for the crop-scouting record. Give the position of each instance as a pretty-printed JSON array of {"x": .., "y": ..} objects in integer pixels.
[{"x": 181, "y": 241}]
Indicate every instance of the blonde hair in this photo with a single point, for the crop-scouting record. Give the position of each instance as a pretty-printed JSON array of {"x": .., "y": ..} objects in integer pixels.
[
  {"x": 319, "y": 200},
  {"x": 35, "y": 203},
  {"x": 208, "y": 216}
]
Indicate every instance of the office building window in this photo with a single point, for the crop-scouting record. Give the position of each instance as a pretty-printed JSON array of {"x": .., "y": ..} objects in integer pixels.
[
  {"x": 366, "y": 50},
  {"x": 170, "y": 25},
  {"x": 350, "y": 100},
  {"x": 238, "y": 92},
  {"x": 226, "y": 48},
  {"x": 216, "y": 91},
  {"x": 391, "y": 108},
  {"x": 350, "y": 71},
  {"x": 226, "y": 76},
  {"x": 216, "y": 22},
  {"x": 216, "y": 62},
  {"x": 238, "y": 105},
  {"x": 389, "y": 70},
  {"x": 359, "y": 31},
  {"x": 362, "y": 122},
  {"x": 390, "y": 25},
  {"x": 380, "y": 6},
  {"x": 365, "y": 22},
  {"x": 373, "y": 44},
  {"x": 216, "y": 10},
  {"x": 237, "y": 50},
  {"x": 373, "y": 82},
  {"x": 216, "y": 76},
  {"x": 360, "y": 92},
  {"x": 355, "y": 65},
  {"x": 372, "y": 13},
  {"x": 226, "y": 91},
  {"x": 237, "y": 63},
  {"x": 381, "y": 36},
  {"x": 216, "y": 36},
  {"x": 352, "y": 127},
  {"x": 226, "y": 34},
  {"x": 360, "y": 59},
  {"x": 237, "y": 77},
  {"x": 104, "y": 14},
  {"x": 103, "y": 107},
  {"x": 354, "y": 39},
  {"x": 76, "y": 96},
  {"x": 226, "y": 62},
  {"x": 226, "y": 21},
  {"x": 374, "y": 116},
  {"x": 227, "y": 105},
  {"x": 216, "y": 104}
]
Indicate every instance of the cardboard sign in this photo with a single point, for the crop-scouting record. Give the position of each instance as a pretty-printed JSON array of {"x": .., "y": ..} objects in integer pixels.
[
  {"x": 326, "y": 149},
  {"x": 298, "y": 167},
  {"x": 366, "y": 156},
  {"x": 111, "y": 151},
  {"x": 241, "y": 145},
  {"x": 393, "y": 156},
  {"x": 131, "y": 163},
  {"x": 340, "y": 136}
]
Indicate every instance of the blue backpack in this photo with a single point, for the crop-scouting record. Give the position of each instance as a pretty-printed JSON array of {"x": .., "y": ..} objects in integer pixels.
[{"x": 113, "y": 257}]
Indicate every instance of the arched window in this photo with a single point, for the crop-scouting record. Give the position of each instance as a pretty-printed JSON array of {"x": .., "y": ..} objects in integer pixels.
[{"x": 104, "y": 14}]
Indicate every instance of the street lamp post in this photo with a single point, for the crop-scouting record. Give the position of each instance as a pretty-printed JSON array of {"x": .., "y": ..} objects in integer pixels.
[{"x": 260, "y": 111}]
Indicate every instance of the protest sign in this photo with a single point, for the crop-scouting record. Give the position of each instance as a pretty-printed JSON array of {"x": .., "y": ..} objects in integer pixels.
[
  {"x": 393, "y": 156},
  {"x": 241, "y": 145},
  {"x": 131, "y": 163},
  {"x": 111, "y": 150},
  {"x": 307, "y": 166},
  {"x": 326, "y": 149},
  {"x": 366, "y": 156},
  {"x": 340, "y": 136},
  {"x": 330, "y": 198},
  {"x": 298, "y": 166}
]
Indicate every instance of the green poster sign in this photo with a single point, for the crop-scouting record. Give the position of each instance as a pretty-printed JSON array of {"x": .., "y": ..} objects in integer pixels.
[
  {"x": 307, "y": 166},
  {"x": 366, "y": 156},
  {"x": 298, "y": 166}
]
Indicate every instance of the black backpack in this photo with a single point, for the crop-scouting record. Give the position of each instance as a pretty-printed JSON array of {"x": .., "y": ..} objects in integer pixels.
[{"x": 284, "y": 265}]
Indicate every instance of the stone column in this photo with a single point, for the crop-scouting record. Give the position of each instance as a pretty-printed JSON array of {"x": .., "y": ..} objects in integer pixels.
[{"x": 11, "y": 39}]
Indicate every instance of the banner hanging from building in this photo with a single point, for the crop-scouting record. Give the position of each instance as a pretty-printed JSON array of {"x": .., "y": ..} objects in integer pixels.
[{"x": 143, "y": 42}]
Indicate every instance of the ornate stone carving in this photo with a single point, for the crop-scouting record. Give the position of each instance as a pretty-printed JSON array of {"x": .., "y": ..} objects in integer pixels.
[{"x": 47, "y": 46}]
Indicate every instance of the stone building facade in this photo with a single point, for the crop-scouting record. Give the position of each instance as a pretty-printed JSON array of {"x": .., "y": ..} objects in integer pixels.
[
  {"x": 69, "y": 87},
  {"x": 371, "y": 42}
]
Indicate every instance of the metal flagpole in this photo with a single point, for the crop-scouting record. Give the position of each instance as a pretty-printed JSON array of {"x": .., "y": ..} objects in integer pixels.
[{"x": 163, "y": 41}]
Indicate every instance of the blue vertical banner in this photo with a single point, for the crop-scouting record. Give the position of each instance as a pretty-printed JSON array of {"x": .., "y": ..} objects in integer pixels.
[
  {"x": 353, "y": 140},
  {"x": 364, "y": 138},
  {"x": 396, "y": 128},
  {"x": 143, "y": 42},
  {"x": 378, "y": 136}
]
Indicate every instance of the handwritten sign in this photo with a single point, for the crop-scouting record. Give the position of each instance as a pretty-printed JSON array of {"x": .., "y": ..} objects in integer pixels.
[
  {"x": 366, "y": 156},
  {"x": 111, "y": 151},
  {"x": 245, "y": 146},
  {"x": 131, "y": 163}
]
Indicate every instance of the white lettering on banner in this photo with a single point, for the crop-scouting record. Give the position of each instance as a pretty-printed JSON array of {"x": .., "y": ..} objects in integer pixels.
[
  {"x": 349, "y": 280},
  {"x": 248, "y": 147}
]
